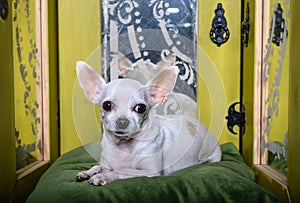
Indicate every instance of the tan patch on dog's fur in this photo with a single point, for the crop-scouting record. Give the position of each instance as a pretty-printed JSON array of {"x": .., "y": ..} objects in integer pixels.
[{"x": 192, "y": 128}]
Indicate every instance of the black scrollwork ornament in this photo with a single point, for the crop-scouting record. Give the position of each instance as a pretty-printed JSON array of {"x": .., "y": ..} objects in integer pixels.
[
  {"x": 219, "y": 32},
  {"x": 246, "y": 26},
  {"x": 236, "y": 118},
  {"x": 3, "y": 9},
  {"x": 279, "y": 29}
]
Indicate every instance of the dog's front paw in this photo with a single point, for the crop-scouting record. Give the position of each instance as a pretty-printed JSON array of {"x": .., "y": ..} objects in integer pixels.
[
  {"x": 85, "y": 175},
  {"x": 81, "y": 176},
  {"x": 100, "y": 179}
]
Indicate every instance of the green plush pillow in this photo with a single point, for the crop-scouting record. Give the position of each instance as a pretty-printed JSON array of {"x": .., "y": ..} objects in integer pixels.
[{"x": 230, "y": 180}]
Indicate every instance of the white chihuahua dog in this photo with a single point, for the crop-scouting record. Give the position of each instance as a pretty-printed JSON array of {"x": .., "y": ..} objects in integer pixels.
[{"x": 136, "y": 141}]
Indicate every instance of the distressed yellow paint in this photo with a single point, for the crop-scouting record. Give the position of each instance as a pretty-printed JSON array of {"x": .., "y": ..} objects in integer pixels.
[
  {"x": 278, "y": 80},
  {"x": 79, "y": 36},
  {"x": 286, "y": 190},
  {"x": 226, "y": 61},
  {"x": 27, "y": 81}
]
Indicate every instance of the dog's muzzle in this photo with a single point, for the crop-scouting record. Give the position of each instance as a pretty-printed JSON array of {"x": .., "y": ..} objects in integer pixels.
[{"x": 121, "y": 135}]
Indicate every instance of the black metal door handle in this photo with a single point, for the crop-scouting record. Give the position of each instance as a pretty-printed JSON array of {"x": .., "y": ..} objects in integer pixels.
[
  {"x": 219, "y": 33},
  {"x": 3, "y": 9}
]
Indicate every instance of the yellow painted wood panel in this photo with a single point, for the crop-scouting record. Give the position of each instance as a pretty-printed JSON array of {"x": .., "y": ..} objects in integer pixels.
[
  {"x": 275, "y": 80},
  {"x": 249, "y": 86},
  {"x": 79, "y": 36},
  {"x": 7, "y": 128},
  {"x": 226, "y": 65},
  {"x": 52, "y": 51},
  {"x": 290, "y": 192},
  {"x": 294, "y": 106},
  {"x": 27, "y": 84}
]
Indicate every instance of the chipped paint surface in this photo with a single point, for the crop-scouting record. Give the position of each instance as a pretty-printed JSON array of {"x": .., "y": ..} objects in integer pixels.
[
  {"x": 276, "y": 79},
  {"x": 26, "y": 83}
]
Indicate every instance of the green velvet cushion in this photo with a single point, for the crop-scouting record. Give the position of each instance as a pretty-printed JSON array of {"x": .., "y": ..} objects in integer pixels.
[{"x": 230, "y": 180}]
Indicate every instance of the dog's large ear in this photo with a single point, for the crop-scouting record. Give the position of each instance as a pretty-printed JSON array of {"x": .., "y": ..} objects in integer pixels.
[
  {"x": 90, "y": 81},
  {"x": 162, "y": 84},
  {"x": 124, "y": 64},
  {"x": 167, "y": 61}
]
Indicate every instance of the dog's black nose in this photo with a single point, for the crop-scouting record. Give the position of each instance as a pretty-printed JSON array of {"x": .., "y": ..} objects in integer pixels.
[{"x": 122, "y": 123}]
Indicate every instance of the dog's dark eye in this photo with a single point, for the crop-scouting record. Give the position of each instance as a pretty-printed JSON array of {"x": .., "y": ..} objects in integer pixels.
[
  {"x": 140, "y": 108},
  {"x": 107, "y": 106}
]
